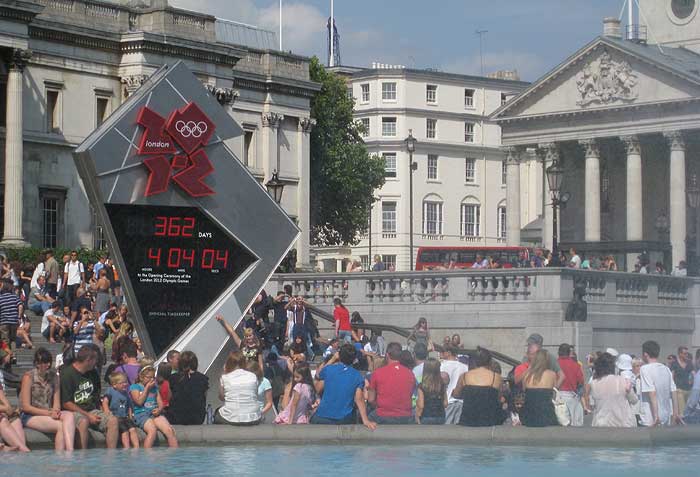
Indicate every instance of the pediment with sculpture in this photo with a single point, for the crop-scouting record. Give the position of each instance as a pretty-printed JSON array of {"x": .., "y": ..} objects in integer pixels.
[{"x": 598, "y": 77}]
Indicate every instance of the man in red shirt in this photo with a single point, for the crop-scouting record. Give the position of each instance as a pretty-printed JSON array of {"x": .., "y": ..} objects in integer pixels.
[
  {"x": 343, "y": 330},
  {"x": 573, "y": 381},
  {"x": 391, "y": 390}
]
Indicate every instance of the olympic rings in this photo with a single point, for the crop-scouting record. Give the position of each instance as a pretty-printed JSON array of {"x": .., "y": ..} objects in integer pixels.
[{"x": 191, "y": 129}]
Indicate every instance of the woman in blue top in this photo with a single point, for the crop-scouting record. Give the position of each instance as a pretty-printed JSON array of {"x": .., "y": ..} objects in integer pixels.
[{"x": 148, "y": 407}]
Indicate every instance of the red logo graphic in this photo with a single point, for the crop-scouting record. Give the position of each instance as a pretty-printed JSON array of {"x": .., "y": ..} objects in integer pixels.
[{"x": 190, "y": 129}]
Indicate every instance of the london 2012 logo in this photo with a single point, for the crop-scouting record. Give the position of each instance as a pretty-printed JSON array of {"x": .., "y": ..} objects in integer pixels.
[{"x": 190, "y": 130}]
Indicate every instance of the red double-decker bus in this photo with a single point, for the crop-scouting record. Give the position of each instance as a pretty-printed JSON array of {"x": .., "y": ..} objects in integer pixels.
[{"x": 444, "y": 258}]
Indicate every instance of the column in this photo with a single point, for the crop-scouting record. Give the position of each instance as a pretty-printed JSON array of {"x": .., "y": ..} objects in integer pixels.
[
  {"x": 548, "y": 152},
  {"x": 634, "y": 206},
  {"x": 131, "y": 84},
  {"x": 270, "y": 122},
  {"x": 303, "y": 192},
  {"x": 634, "y": 202},
  {"x": 14, "y": 151},
  {"x": 677, "y": 195},
  {"x": 592, "y": 190},
  {"x": 512, "y": 196}
]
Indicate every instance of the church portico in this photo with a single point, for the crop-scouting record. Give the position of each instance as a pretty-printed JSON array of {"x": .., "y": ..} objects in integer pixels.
[{"x": 622, "y": 119}]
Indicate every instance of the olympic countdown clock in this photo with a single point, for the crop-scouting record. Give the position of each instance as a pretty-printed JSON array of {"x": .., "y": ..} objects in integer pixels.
[{"x": 193, "y": 232}]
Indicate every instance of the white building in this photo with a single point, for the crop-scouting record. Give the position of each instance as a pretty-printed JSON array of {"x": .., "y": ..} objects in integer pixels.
[
  {"x": 65, "y": 65},
  {"x": 459, "y": 185}
]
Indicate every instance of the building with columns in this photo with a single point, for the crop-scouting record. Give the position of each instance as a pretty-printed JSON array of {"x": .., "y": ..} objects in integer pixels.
[
  {"x": 65, "y": 65},
  {"x": 621, "y": 116},
  {"x": 459, "y": 193}
]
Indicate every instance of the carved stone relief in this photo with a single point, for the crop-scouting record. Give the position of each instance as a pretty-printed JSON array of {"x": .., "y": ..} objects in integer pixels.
[{"x": 604, "y": 80}]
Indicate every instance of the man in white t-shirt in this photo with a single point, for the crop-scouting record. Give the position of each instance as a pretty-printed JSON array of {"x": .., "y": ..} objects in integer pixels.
[
  {"x": 454, "y": 369},
  {"x": 52, "y": 323},
  {"x": 575, "y": 260},
  {"x": 659, "y": 403},
  {"x": 73, "y": 276}
]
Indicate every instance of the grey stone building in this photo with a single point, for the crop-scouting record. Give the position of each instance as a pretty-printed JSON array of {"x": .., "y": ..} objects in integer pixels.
[{"x": 66, "y": 65}]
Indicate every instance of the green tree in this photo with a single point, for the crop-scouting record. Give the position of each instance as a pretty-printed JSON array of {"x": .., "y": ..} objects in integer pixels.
[{"x": 343, "y": 175}]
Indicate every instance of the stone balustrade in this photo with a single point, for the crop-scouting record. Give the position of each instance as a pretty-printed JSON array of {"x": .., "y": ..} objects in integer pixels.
[
  {"x": 504, "y": 285},
  {"x": 500, "y": 308}
]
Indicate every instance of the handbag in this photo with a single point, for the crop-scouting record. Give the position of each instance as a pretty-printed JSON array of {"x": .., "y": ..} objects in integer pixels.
[{"x": 560, "y": 409}]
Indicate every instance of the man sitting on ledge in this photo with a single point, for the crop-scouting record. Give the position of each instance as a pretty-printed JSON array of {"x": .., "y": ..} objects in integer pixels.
[
  {"x": 80, "y": 393},
  {"x": 340, "y": 384},
  {"x": 391, "y": 390}
]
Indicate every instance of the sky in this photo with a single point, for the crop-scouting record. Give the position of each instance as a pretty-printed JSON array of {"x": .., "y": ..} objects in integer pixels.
[{"x": 531, "y": 36}]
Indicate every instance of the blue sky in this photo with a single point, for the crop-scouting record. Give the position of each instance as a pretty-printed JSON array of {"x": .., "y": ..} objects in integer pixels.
[{"x": 530, "y": 35}]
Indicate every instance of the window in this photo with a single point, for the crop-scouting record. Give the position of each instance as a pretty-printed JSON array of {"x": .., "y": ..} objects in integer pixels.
[
  {"x": 364, "y": 122},
  {"x": 432, "y": 218},
  {"x": 504, "y": 173},
  {"x": 364, "y": 260},
  {"x": 504, "y": 99},
  {"x": 470, "y": 220},
  {"x": 389, "y": 262},
  {"x": 468, "y": 98},
  {"x": 389, "y": 127},
  {"x": 431, "y": 94},
  {"x": 350, "y": 96},
  {"x": 468, "y": 132},
  {"x": 364, "y": 88},
  {"x": 102, "y": 110},
  {"x": 3, "y": 101},
  {"x": 431, "y": 128},
  {"x": 389, "y": 164},
  {"x": 388, "y": 91},
  {"x": 53, "y": 111},
  {"x": 389, "y": 217},
  {"x": 2, "y": 212},
  {"x": 502, "y": 221},
  {"x": 98, "y": 235},
  {"x": 52, "y": 216},
  {"x": 249, "y": 147},
  {"x": 470, "y": 170},
  {"x": 432, "y": 167}
]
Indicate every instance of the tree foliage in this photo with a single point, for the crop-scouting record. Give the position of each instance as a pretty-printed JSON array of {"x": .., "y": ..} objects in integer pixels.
[{"x": 343, "y": 175}]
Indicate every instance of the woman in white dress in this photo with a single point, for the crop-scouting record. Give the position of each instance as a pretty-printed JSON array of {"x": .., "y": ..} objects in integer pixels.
[{"x": 613, "y": 395}]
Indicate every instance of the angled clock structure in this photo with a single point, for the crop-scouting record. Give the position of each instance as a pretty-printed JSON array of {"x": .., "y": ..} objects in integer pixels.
[{"x": 193, "y": 233}]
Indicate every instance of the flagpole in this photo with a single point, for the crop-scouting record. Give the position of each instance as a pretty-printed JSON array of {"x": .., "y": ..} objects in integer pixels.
[
  {"x": 332, "y": 38},
  {"x": 280, "y": 25}
]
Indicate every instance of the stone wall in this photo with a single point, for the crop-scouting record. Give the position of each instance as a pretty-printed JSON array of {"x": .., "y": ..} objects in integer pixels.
[{"x": 500, "y": 308}]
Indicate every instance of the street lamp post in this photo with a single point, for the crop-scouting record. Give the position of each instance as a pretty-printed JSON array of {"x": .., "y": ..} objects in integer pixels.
[
  {"x": 410, "y": 142},
  {"x": 693, "y": 192},
  {"x": 275, "y": 187},
  {"x": 555, "y": 175}
]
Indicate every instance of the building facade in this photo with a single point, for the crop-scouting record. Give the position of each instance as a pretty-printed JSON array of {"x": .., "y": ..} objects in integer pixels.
[
  {"x": 621, "y": 116},
  {"x": 67, "y": 64},
  {"x": 459, "y": 174}
]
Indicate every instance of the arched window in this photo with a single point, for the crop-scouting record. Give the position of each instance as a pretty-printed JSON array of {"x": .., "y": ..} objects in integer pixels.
[
  {"x": 470, "y": 217},
  {"x": 432, "y": 215}
]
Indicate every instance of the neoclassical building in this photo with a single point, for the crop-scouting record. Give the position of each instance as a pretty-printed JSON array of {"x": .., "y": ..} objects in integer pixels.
[
  {"x": 65, "y": 65},
  {"x": 621, "y": 116}
]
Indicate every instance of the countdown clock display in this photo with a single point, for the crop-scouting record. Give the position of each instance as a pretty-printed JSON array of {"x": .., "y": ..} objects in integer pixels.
[
  {"x": 193, "y": 233},
  {"x": 178, "y": 261}
]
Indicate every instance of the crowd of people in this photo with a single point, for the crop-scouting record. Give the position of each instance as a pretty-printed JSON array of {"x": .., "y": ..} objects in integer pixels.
[
  {"x": 273, "y": 375},
  {"x": 538, "y": 258}
]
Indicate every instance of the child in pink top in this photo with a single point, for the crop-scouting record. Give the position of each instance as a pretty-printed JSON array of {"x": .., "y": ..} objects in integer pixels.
[{"x": 301, "y": 401}]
